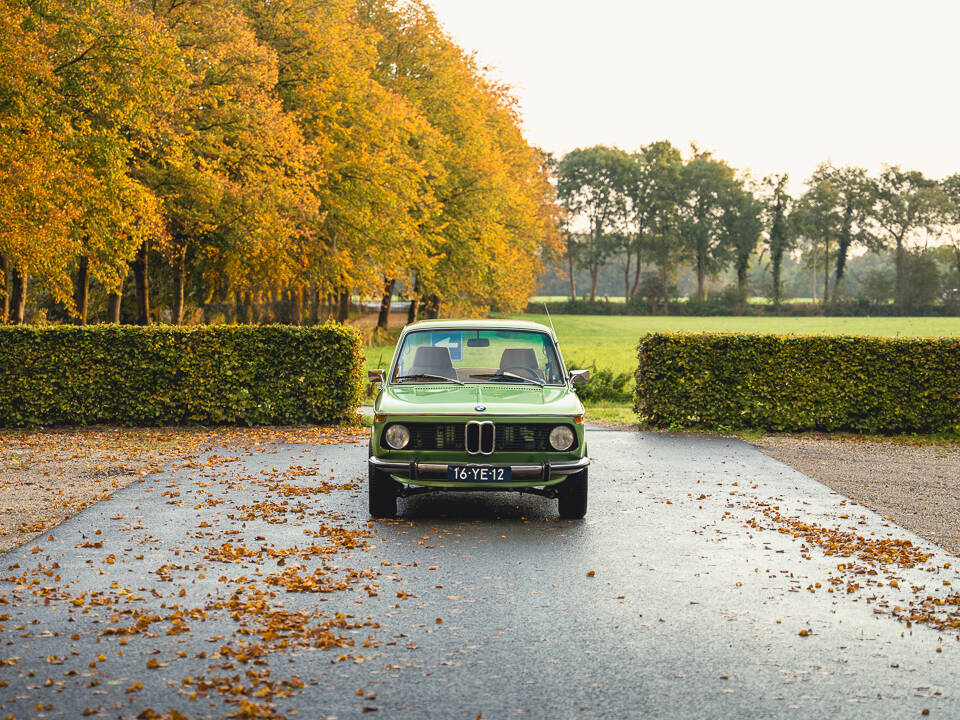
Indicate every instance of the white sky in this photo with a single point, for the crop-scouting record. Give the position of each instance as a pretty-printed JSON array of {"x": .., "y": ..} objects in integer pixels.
[{"x": 769, "y": 85}]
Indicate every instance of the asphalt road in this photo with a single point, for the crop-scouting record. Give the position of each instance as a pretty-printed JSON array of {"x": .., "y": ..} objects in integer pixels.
[{"x": 668, "y": 600}]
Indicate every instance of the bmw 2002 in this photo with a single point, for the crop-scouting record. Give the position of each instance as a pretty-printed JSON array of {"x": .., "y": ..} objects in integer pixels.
[{"x": 478, "y": 405}]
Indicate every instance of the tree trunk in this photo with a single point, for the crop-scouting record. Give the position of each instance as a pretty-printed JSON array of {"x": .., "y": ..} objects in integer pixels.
[
  {"x": 664, "y": 280},
  {"x": 701, "y": 276},
  {"x": 573, "y": 278},
  {"x": 343, "y": 306},
  {"x": 298, "y": 302},
  {"x": 179, "y": 288},
  {"x": 594, "y": 277},
  {"x": 636, "y": 277},
  {"x": 248, "y": 308},
  {"x": 5, "y": 289},
  {"x": 384, "y": 320},
  {"x": 18, "y": 296},
  {"x": 431, "y": 307},
  {"x": 777, "y": 261},
  {"x": 113, "y": 305},
  {"x": 140, "y": 266},
  {"x": 81, "y": 290},
  {"x": 843, "y": 248},
  {"x": 315, "y": 305},
  {"x": 814, "y": 277},
  {"x": 826, "y": 271},
  {"x": 898, "y": 280},
  {"x": 414, "y": 303},
  {"x": 626, "y": 279}
]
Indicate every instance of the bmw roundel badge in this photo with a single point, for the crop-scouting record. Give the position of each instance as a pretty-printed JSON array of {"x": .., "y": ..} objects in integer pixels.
[{"x": 480, "y": 408}]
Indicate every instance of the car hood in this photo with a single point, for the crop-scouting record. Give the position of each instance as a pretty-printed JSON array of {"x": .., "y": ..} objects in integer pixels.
[{"x": 496, "y": 399}]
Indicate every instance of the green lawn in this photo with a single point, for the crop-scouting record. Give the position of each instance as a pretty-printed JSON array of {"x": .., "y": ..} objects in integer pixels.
[{"x": 610, "y": 341}]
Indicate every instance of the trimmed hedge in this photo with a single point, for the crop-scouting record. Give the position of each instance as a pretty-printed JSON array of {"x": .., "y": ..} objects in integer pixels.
[
  {"x": 220, "y": 375},
  {"x": 798, "y": 383}
]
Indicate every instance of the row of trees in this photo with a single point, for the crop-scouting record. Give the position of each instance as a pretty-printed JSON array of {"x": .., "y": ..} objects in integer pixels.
[
  {"x": 655, "y": 209},
  {"x": 302, "y": 151}
]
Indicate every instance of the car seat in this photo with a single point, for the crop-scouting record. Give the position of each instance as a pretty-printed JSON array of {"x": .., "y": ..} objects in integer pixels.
[
  {"x": 433, "y": 361},
  {"x": 520, "y": 357}
]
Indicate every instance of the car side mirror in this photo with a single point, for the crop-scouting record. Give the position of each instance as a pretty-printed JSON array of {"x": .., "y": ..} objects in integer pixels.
[
  {"x": 579, "y": 376},
  {"x": 378, "y": 376}
]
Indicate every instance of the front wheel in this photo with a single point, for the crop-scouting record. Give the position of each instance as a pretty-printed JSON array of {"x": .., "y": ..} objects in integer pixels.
[
  {"x": 572, "y": 496},
  {"x": 382, "y": 491}
]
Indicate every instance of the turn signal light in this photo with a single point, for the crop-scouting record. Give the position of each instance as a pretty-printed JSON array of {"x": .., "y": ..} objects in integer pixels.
[
  {"x": 578, "y": 419},
  {"x": 379, "y": 418}
]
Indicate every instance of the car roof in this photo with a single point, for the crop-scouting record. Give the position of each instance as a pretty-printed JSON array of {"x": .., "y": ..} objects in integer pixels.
[{"x": 478, "y": 325}]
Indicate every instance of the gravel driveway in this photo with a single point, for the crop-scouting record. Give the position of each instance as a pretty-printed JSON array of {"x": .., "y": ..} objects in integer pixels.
[{"x": 917, "y": 485}]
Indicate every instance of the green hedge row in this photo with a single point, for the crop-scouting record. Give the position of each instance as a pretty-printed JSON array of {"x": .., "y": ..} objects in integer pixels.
[
  {"x": 160, "y": 375},
  {"x": 797, "y": 383}
]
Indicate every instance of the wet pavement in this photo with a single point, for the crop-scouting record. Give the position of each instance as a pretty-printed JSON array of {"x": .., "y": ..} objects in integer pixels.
[{"x": 252, "y": 584}]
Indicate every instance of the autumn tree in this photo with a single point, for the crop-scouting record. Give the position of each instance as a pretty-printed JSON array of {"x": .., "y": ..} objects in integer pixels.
[
  {"x": 39, "y": 176},
  {"x": 262, "y": 151},
  {"x": 495, "y": 214}
]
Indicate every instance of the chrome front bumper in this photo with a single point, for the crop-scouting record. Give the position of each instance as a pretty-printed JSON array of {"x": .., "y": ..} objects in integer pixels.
[{"x": 416, "y": 470}]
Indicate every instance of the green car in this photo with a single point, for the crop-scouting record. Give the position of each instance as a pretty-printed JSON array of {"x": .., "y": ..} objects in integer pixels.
[{"x": 478, "y": 405}]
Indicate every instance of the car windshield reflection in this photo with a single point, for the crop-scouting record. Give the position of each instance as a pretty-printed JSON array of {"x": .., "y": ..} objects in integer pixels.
[{"x": 470, "y": 356}]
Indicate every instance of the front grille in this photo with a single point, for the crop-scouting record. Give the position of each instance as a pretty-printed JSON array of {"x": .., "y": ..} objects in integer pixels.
[
  {"x": 510, "y": 437},
  {"x": 436, "y": 436},
  {"x": 523, "y": 438}
]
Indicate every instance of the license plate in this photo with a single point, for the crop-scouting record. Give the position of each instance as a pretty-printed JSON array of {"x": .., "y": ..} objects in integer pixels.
[{"x": 478, "y": 473}]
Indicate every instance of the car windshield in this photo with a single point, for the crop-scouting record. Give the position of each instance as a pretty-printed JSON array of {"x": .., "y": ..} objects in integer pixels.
[{"x": 478, "y": 356}]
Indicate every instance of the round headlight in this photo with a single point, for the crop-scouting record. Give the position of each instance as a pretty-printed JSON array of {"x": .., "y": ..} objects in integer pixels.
[
  {"x": 397, "y": 436},
  {"x": 562, "y": 438}
]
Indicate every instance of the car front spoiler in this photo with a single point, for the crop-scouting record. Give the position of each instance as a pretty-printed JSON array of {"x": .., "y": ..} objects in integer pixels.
[{"x": 415, "y": 470}]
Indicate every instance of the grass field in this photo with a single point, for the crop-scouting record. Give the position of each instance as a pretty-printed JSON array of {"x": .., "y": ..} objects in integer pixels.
[{"x": 610, "y": 341}]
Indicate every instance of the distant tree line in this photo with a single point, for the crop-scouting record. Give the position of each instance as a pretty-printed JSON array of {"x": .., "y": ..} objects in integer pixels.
[
  {"x": 268, "y": 160},
  {"x": 654, "y": 212}
]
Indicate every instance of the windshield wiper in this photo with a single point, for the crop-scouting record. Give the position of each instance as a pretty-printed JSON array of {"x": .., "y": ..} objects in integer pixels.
[
  {"x": 508, "y": 376},
  {"x": 427, "y": 376}
]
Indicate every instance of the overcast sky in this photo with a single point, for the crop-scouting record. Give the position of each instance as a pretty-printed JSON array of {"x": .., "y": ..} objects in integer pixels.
[{"x": 769, "y": 85}]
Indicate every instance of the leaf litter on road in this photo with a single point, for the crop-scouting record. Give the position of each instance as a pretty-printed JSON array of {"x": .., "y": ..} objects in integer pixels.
[{"x": 252, "y": 576}]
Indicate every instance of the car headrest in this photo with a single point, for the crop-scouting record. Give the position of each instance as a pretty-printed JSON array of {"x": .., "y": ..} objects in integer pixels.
[
  {"x": 433, "y": 360},
  {"x": 524, "y": 357}
]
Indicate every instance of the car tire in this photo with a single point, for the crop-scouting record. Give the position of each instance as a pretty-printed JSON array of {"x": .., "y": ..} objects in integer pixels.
[
  {"x": 572, "y": 496},
  {"x": 382, "y": 491}
]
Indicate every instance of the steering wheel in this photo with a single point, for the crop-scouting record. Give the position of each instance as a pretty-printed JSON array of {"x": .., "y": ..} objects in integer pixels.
[{"x": 534, "y": 373}]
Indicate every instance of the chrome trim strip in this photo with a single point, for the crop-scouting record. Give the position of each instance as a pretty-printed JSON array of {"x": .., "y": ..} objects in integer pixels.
[
  {"x": 415, "y": 469},
  {"x": 479, "y": 426}
]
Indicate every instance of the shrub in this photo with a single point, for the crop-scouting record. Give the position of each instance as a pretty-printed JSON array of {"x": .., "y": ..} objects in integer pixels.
[
  {"x": 168, "y": 375},
  {"x": 603, "y": 385},
  {"x": 798, "y": 383}
]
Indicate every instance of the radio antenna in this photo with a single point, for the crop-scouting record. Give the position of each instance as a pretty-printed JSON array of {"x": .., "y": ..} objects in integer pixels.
[{"x": 550, "y": 319}]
